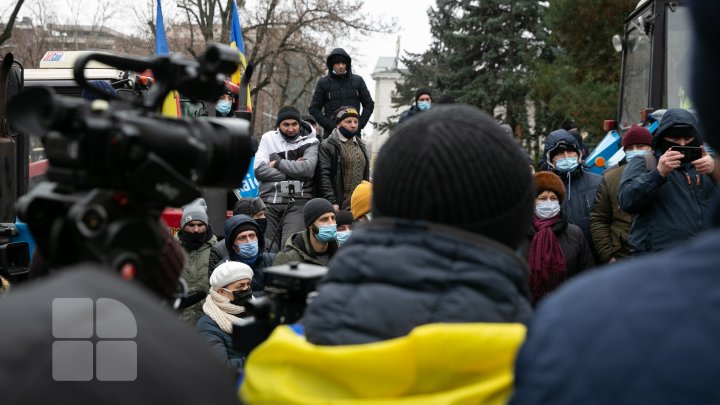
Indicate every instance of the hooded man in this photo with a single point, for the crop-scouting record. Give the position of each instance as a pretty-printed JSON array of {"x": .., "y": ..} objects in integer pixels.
[
  {"x": 340, "y": 88},
  {"x": 285, "y": 167},
  {"x": 642, "y": 330},
  {"x": 318, "y": 242},
  {"x": 564, "y": 157},
  {"x": 433, "y": 282},
  {"x": 197, "y": 239},
  {"x": 670, "y": 200},
  {"x": 609, "y": 224},
  {"x": 245, "y": 242},
  {"x": 422, "y": 102}
]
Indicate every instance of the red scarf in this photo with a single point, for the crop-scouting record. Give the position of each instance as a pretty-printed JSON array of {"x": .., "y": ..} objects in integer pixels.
[{"x": 548, "y": 268}]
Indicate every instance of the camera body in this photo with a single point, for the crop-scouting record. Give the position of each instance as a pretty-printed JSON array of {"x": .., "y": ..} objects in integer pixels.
[
  {"x": 114, "y": 164},
  {"x": 288, "y": 290},
  {"x": 690, "y": 153}
]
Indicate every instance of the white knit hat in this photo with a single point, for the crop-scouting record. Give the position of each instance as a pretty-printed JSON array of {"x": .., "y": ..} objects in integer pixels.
[{"x": 229, "y": 272}]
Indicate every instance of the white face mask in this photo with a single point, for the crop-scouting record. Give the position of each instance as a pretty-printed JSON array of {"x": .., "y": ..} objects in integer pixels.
[{"x": 547, "y": 209}]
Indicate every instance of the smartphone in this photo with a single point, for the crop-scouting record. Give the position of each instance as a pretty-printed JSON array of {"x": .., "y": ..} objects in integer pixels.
[{"x": 690, "y": 153}]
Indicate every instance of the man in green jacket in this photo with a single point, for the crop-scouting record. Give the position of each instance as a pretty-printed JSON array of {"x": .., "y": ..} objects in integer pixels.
[
  {"x": 197, "y": 239},
  {"x": 317, "y": 243},
  {"x": 609, "y": 225}
]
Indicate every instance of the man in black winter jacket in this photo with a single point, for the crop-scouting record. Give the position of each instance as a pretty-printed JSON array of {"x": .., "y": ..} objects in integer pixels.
[{"x": 340, "y": 88}]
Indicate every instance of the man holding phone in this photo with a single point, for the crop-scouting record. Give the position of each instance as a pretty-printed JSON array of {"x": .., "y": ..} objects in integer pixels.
[{"x": 670, "y": 191}]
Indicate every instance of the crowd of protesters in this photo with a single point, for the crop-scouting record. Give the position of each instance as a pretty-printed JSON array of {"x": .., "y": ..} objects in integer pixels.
[{"x": 458, "y": 274}]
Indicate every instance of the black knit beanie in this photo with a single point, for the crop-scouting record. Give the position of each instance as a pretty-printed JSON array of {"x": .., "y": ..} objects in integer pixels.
[
  {"x": 344, "y": 218},
  {"x": 315, "y": 208},
  {"x": 454, "y": 165},
  {"x": 419, "y": 92},
  {"x": 287, "y": 113}
]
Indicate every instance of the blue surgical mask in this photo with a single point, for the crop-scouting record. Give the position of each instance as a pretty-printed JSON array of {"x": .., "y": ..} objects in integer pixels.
[
  {"x": 326, "y": 233},
  {"x": 339, "y": 74},
  {"x": 423, "y": 105},
  {"x": 547, "y": 209},
  {"x": 342, "y": 237},
  {"x": 567, "y": 164},
  {"x": 223, "y": 107},
  {"x": 247, "y": 250},
  {"x": 634, "y": 153}
]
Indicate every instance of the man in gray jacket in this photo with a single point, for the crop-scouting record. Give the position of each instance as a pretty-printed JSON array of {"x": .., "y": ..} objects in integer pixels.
[{"x": 285, "y": 165}]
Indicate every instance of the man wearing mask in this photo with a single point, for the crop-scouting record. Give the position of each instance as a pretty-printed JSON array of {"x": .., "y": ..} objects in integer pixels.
[
  {"x": 197, "y": 239},
  {"x": 340, "y": 87},
  {"x": 223, "y": 107},
  {"x": 254, "y": 207},
  {"x": 564, "y": 156},
  {"x": 423, "y": 101},
  {"x": 344, "y": 162},
  {"x": 317, "y": 243},
  {"x": 344, "y": 221},
  {"x": 609, "y": 224},
  {"x": 285, "y": 167},
  {"x": 670, "y": 200},
  {"x": 244, "y": 241}
]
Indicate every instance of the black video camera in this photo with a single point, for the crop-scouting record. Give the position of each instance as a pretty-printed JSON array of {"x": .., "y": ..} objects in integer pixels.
[
  {"x": 288, "y": 290},
  {"x": 115, "y": 164}
]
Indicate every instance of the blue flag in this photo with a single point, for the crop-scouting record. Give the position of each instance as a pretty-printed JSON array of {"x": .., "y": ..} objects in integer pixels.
[{"x": 161, "y": 47}]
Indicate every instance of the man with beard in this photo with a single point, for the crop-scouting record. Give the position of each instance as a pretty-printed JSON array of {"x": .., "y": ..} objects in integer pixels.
[{"x": 285, "y": 166}]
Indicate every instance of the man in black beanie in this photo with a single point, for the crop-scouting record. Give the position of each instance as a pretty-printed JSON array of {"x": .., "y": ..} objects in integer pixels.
[
  {"x": 285, "y": 167},
  {"x": 317, "y": 243},
  {"x": 452, "y": 199},
  {"x": 422, "y": 102},
  {"x": 641, "y": 330}
]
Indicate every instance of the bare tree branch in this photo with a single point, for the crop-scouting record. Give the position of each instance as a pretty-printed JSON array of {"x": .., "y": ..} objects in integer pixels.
[{"x": 7, "y": 33}]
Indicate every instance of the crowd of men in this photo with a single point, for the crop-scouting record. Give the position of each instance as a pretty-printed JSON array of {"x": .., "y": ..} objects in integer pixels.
[{"x": 451, "y": 280}]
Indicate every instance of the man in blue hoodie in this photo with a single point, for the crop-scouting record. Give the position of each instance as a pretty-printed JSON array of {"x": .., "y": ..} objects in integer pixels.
[
  {"x": 245, "y": 242},
  {"x": 564, "y": 157},
  {"x": 668, "y": 195}
]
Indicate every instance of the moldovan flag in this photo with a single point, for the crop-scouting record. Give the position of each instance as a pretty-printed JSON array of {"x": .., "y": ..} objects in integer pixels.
[
  {"x": 171, "y": 105},
  {"x": 236, "y": 42}
]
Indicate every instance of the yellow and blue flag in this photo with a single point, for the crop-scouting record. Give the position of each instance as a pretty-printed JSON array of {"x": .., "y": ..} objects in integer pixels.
[
  {"x": 171, "y": 105},
  {"x": 236, "y": 42}
]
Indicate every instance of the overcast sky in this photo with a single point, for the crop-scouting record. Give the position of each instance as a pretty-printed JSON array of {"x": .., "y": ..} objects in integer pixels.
[{"x": 411, "y": 16}]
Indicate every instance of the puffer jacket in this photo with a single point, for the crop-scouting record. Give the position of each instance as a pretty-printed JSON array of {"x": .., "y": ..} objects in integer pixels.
[
  {"x": 298, "y": 249},
  {"x": 394, "y": 275},
  {"x": 330, "y": 176},
  {"x": 668, "y": 209},
  {"x": 580, "y": 186},
  {"x": 333, "y": 92},
  {"x": 264, "y": 259},
  {"x": 194, "y": 273},
  {"x": 610, "y": 225},
  {"x": 296, "y": 160}
]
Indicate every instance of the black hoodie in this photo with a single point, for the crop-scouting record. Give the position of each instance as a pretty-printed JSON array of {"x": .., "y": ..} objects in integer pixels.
[{"x": 335, "y": 91}]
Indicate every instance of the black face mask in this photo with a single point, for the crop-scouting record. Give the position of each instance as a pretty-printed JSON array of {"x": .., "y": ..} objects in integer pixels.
[
  {"x": 242, "y": 296},
  {"x": 192, "y": 241},
  {"x": 346, "y": 133},
  {"x": 262, "y": 223}
]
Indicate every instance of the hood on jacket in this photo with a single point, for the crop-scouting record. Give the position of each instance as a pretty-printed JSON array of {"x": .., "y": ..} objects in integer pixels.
[
  {"x": 236, "y": 221},
  {"x": 557, "y": 138},
  {"x": 677, "y": 117},
  {"x": 339, "y": 52}
]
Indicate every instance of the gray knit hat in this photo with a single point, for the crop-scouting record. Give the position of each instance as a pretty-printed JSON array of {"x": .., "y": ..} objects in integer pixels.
[
  {"x": 249, "y": 206},
  {"x": 315, "y": 208},
  {"x": 195, "y": 211}
]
